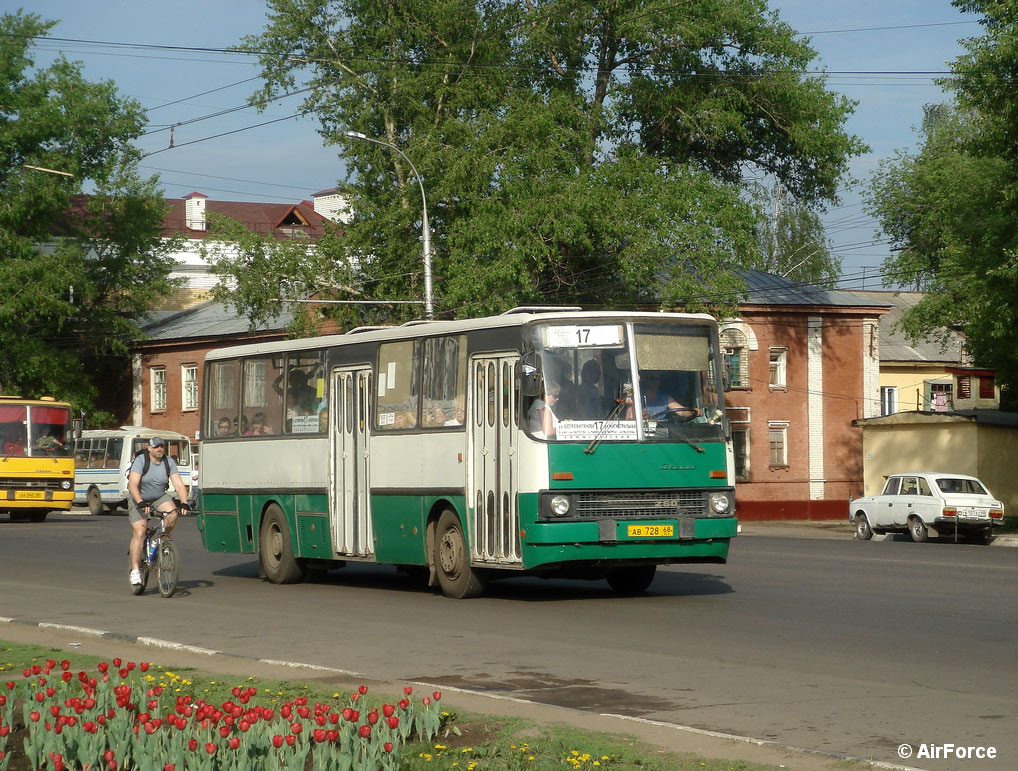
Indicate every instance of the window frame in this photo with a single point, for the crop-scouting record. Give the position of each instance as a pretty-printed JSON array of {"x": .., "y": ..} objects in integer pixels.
[
  {"x": 157, "y": 389},
  {"x": 188, "y": 387},
  {"x": 735, "y": 345},
  {"x": 781, "y": 428},
  {"x": 777, "y": 370}
]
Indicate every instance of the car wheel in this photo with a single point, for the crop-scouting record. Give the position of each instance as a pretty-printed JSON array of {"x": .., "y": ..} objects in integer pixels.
[
  {"x": 917, "y": 530},
  {"x": 95, "y": 502},
  {"x": 863, "y": 531}
]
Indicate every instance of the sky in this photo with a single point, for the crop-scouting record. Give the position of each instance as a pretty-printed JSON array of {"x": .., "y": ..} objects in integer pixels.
[{"x": 882, "y": 54}]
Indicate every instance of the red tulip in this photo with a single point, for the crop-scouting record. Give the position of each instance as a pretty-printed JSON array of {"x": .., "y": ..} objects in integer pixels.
[
  {"x": 365, "y": 731},
  {"x": 10, "y": 685},
  {"x": 290, "y": 740},
  {"x": 388, "y": 710},
  {"x": 387, "y": 746},
  {"x": 224, "y": 731},
  {"x": 36, "y": 669},
  {"x": 296, "y": 728},
  {"x": 4, "y": 731},
  {"x": 103, "y": 667},
  {"x": 234, "y": 743},
  {"x": 393, "y": 722},
  {"x": 192, "y": 745},
  {"x": 108, "y": 756},
  {"x": 404, "y": 703},
  {"x": 408, "y": 690},
  {"x": 130, "y": 666},
  {"x": 65, "y": 665},
  {"x": 277, "y": 741},
  {"x": 426, "y": 701},
  {"x": 320, "y": 735},
  {"x": 372, "y": 717},
  {"x": 169, "y": 767},
  {"x": 304, "y": 712},
  {"x": 437, "y": 695},
  {"x": 211, "y": 748},
  {"x": 116, "y": 662},
  {"x": 144, "y": 666},
  {"x": 67, "y": 677},
  {"x": 354, "y": 696},
  {"x": 243, "y": 725},
  {"x": 362, "y": 690}
]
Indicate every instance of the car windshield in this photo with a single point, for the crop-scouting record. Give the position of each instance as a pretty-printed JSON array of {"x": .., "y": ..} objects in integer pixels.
[
  {"x": 961, "y": 485},
  {"x": 591, "y": 376}
]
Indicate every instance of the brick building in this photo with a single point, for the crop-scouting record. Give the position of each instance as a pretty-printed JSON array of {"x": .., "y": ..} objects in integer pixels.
[{"x": 803, "y": 364}]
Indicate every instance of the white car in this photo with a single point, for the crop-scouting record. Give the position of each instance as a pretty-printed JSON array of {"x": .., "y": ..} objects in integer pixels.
[{"x": 921, "y": 502}]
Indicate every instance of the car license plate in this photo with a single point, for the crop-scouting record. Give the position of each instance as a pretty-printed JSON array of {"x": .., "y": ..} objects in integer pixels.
[
  {"x": 972, "y": 513},
  {"x": 650, "y": 531},
  {"x": 32, "y": 496}
]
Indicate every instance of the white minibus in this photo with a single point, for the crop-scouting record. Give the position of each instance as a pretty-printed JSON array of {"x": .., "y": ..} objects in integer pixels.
[{"x": 102, "y": 459}]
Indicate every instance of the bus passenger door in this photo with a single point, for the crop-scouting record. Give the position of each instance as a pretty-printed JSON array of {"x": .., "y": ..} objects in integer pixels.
[
  {"x": 493, "y": 472},
  {"x": 351, "y": 515}
]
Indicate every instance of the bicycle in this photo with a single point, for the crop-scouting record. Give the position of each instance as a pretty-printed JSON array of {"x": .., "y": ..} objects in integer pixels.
[{"x": 159, "y": 554}]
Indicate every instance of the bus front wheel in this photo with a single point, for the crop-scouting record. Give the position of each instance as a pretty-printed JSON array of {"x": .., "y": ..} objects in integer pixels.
[
  {"x": 631, "y": 580},
  {"x": 452, "y": 560},
  {"x": 275, "y": 549},
  {"x": 95, "y": 502}
]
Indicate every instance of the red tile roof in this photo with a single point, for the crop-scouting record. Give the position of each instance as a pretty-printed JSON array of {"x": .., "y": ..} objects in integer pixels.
[{"x": 262, "y": 218}]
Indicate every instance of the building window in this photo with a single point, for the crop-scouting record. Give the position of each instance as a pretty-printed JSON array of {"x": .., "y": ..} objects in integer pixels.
[
  {"x": 888, "y": 400},
  {"x": 987, "y": 388},
  {"x": 189, "y": 387},
  {"x": 964, "y": 387},
  {"x": 740, "y": 447},
  {"x": 779, "y": 357},
  {"x": 157, "y": 380},
  {"x": 733, "y": 341},
  {"x": 940, "y": 397},
  {"x": 779, "y": 444}
]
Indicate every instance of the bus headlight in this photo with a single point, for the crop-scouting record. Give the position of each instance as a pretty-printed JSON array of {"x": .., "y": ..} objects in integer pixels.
[
  {"x": 65, "y": 485},
  {"x": 560, "y": 505},
  {"x": 719, "y": 502}
]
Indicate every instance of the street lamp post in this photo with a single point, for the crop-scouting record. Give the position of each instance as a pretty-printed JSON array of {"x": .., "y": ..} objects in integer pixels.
[{"x": 429, "y": 305}]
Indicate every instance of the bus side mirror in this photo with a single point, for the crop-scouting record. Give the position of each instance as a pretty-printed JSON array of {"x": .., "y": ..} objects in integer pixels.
[
  {"x": 530, "y": 375},
  {"x": 77, "y": 425}
]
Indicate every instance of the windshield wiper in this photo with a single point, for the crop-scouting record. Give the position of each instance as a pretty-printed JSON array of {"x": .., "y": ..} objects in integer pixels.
[{"x": 613, "y": 417}]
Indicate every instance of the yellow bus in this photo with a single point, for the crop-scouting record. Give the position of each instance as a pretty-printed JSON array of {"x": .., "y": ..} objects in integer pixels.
[{"x": 36, "y": 457}]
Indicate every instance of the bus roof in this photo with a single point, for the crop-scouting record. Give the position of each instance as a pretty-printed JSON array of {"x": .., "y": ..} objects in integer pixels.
[
  {"x": 42, "y": 401},
  {"x": 139, "y": 432},
  {"x": 413, "y": 329}
]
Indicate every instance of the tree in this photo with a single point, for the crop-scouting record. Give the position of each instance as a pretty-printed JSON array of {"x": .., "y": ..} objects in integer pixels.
[
  {"x": 792, "y": 240},
  {"x": 75, "y": 271},
  {"x": 572, "y": 151},
  {"x": 951, "y": 208}
]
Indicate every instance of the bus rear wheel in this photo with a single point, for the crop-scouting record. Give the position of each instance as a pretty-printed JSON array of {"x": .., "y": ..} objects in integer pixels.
[
  {"x": 452, "y": 560},
  {"x": 631, "y": 580},
  {"x": 275, "y": 549}
]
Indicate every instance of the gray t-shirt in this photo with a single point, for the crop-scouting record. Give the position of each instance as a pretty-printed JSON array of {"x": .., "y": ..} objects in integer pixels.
[{"x": 154, "y": 483}]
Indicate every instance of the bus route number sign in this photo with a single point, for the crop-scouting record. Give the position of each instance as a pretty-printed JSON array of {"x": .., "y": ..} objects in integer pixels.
[{"x": 575, "y": 336}]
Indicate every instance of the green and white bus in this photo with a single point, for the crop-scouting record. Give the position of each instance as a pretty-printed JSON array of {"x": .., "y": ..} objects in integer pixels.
[{"x": 475, "y": 449}]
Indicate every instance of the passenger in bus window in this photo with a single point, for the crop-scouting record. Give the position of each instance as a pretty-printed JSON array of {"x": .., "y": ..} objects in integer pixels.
[
  {"x": 259, "y": 425},
  {"x": 657, "y": 403},
  {"x": 14, "y": 445},
  {"x": 590, "y": 402},
  {"x": 541, "y": 415},
  {"x": 456, "y": 416},
  {"x": 225, "y": 427}
]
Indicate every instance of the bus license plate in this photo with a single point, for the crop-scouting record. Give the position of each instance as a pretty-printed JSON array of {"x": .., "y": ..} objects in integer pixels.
[
  {"x": 650, "y": 531},
  {"x": 32, "y": 496}
]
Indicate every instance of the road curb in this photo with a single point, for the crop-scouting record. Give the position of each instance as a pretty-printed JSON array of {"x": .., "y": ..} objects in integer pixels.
[{"x": 673, "y": 728}]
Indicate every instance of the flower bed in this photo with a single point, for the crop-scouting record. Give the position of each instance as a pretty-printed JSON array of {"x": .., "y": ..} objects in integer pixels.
[{"x": 118, "y": 718}]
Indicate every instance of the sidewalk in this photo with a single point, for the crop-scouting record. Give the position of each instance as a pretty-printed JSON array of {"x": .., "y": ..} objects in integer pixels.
[{"x": 834, "y": 528}]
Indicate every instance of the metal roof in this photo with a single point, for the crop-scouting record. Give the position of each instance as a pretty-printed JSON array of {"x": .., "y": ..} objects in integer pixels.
[
  {"x": 210, "y": 319},
  {"x": 770, "y": 289},
  {"x": 894, "y": 346}
]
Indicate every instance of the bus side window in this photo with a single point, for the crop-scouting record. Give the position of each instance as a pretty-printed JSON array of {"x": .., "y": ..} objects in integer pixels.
[
  {"x": 81, "y": 450},
  {"x": 398, "y": 396},
  {"x": 113, "y": 452},
  {"x": 97, "y": 457}
]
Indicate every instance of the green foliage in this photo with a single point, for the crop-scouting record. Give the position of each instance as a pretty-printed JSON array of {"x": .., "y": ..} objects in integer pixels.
[
  {"x": 951, "y": 208},
  {"x": 74, "y": 271},
  {"x": 792, "y": 240},
  {"x": 587, "y": 152}
]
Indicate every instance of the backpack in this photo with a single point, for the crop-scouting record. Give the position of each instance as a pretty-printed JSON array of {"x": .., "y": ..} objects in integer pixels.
[{"x": 146, "y": 466}]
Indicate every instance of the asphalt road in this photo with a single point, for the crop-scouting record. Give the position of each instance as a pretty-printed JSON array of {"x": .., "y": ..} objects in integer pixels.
[{"x": 835, "y": 645}]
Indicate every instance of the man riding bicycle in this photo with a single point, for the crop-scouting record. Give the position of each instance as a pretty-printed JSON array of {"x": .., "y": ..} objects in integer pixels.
[{"x": 151, "y": 473}]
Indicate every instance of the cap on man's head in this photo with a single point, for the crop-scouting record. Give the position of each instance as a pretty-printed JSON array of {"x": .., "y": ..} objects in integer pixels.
[{"x": 156, "y": 441}]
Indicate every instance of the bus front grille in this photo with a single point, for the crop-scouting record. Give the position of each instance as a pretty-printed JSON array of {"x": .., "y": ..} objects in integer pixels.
[{"x": 625, "y": 505}]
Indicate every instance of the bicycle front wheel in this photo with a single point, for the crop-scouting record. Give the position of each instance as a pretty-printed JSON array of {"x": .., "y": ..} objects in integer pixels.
[{"x": 168, "y": 569}]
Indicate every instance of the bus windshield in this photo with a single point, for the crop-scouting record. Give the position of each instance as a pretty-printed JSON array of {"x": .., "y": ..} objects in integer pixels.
[
  {"x": 591, "y": 377},
  {"x": 33, "y": 430}
]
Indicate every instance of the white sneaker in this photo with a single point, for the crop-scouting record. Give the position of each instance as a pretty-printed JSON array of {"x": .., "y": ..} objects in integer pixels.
[{"x": 135, "y": 577}]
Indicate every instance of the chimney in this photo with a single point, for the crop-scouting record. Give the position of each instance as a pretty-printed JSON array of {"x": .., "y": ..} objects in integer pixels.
[
  {"x": 194, "y": 211},
  {"x": 332, "y": 205}
]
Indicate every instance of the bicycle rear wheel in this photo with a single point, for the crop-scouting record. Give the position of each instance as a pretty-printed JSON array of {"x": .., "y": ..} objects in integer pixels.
[{"x": 167, "y": 569}]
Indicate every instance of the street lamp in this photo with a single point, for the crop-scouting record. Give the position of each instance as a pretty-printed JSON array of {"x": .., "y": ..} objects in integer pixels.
[{"x": 429, "y": 305}]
